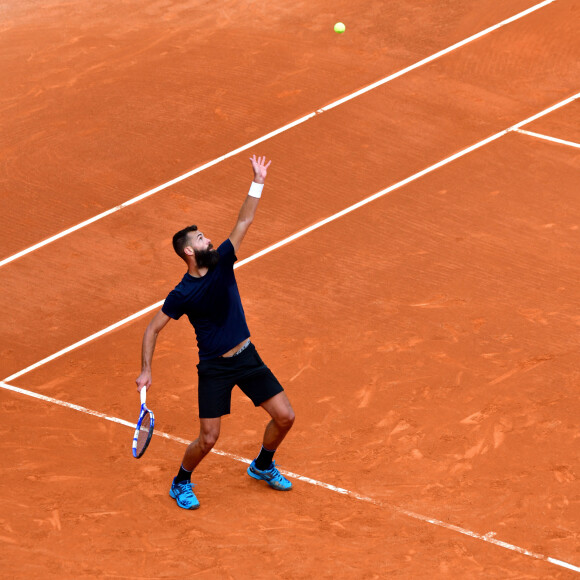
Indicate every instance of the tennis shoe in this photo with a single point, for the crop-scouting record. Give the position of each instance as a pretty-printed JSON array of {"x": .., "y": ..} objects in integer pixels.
[
  {"x": 183, "y": 494},
  {"x": 271, "y": 476}
]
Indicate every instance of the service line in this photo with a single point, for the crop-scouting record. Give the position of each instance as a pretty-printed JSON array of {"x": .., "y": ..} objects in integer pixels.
[
  {"x": 276, "y": 132},
  {"x": 306, "y": 231},
  {"x": 488, "y": 537}
]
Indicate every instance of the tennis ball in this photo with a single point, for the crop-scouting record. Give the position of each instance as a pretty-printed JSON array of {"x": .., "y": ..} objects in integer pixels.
[{"x": 339, "y": 27}]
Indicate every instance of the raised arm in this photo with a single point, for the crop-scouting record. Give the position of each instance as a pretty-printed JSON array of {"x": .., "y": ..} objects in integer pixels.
[
  {"x": 149, "y": 339},
  {"x": 250, "y": 205}
]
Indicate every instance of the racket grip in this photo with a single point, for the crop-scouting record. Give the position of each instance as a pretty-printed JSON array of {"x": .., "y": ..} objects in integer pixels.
[{"x": 143, "y": 394}]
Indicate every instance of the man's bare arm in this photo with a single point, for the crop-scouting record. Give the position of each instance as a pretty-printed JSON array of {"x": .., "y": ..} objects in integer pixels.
[
  {"x": 149, "y": 339},
  {"x": 250, "y": 205}
]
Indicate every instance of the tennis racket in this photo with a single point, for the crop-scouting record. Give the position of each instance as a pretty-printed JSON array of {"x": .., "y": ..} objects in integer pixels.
[{"x": 144, "y": 429}]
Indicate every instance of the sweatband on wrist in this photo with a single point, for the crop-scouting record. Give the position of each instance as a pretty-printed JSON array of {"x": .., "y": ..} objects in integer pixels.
[{"x": 256, "y": 189}]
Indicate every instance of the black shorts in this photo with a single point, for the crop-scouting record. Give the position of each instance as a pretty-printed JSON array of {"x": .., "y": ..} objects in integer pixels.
[{"x": 218, "y": 376}]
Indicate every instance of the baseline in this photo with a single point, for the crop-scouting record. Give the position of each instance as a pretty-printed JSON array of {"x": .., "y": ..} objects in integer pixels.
[
  {"x": 488, "y": 537},
  {"x": 309, "y": 229},
  {"x": 286, "y": 127}
]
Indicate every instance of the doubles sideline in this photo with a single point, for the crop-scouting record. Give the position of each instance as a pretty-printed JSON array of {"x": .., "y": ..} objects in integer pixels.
[
  {"x": 276, "y": 132},
  {"x": 308, "y": 230},
  {"x": 488, "y": 537}
]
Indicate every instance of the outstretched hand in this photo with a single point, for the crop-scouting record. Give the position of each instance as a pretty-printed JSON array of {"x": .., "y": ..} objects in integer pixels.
[{"x": 260, "y": 168}]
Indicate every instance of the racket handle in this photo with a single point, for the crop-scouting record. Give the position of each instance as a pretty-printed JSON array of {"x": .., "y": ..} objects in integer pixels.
[{"x": 143, "y": 394}]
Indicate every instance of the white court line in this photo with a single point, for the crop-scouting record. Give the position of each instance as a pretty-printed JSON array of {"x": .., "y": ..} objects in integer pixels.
[
  {"x": 489, "y": 537},
  {"x": 277, "y": 131},
  {"x": 548, "y": 138},
  {"x": 304, "y": 232}
]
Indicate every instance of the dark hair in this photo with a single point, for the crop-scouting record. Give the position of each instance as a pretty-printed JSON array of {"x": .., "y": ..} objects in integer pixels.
[{"x": 180, "y": 240}]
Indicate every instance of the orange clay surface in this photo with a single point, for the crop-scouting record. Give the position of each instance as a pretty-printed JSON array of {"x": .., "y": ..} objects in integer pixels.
[{"x": 428, "y": 341}]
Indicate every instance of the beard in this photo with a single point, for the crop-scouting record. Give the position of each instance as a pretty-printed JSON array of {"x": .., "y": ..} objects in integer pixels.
[{"x": 207, "y": 258}]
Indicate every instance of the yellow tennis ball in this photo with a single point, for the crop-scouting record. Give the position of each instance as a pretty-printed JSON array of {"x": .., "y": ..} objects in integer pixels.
[{"x": 339, "y": 27}]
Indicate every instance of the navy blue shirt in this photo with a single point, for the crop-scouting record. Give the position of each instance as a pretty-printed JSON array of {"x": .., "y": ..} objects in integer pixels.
[{"x": 213, "y": 305}]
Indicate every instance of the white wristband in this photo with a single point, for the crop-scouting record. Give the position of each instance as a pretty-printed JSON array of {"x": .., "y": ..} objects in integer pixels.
[{"x": 256, "y": 189}]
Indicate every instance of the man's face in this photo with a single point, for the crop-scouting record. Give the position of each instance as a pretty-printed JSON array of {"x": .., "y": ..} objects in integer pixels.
[{"x": 205, "y": 255}]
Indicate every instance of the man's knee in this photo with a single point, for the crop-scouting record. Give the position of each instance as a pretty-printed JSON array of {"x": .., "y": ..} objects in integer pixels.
[
  {"x": 285, "y": 420},
  {"x": 280, "y": 410},
  {"x": 208, "y": 436},
  {"x": 207, "y": 441}
]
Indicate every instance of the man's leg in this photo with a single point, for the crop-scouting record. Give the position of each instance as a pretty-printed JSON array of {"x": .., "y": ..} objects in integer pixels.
[
  {"x": 263, "y": 467},
  {"x": 181, "y": 488},
  {"x": 282, "y": 414},
  {"x": 209, "y": 431}
]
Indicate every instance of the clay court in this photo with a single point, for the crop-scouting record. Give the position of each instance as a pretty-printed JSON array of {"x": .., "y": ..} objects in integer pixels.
[{"x": 411, "y": 278}]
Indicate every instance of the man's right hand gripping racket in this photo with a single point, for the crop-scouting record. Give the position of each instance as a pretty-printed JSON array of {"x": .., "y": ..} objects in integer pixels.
[{"x": 144, "y": 430}]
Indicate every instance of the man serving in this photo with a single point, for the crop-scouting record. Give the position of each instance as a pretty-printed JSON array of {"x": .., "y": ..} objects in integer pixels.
[{"x": 208, "y": 294}]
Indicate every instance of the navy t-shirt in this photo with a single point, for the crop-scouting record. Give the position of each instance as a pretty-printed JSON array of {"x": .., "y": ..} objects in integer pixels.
[{"x": 213, "y": 305}]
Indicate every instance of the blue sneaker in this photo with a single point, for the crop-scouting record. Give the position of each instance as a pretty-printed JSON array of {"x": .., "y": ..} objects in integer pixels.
[
  {"x": 183, "y": 494},
  {"x": 271, "y": 476}
]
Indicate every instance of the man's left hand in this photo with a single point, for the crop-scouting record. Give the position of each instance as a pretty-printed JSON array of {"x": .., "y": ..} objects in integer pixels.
[{"x": 260, "y": 168}]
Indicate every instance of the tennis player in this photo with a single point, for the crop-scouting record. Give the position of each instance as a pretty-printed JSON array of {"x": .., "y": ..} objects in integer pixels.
[{"x": 209, "y": 296}]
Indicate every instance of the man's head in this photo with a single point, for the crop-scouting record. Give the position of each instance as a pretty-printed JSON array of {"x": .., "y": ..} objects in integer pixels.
[{"x": 190, "y": 244}]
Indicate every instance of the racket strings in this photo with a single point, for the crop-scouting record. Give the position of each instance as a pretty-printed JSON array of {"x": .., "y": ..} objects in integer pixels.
[{"x": 143, "y": 436}]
